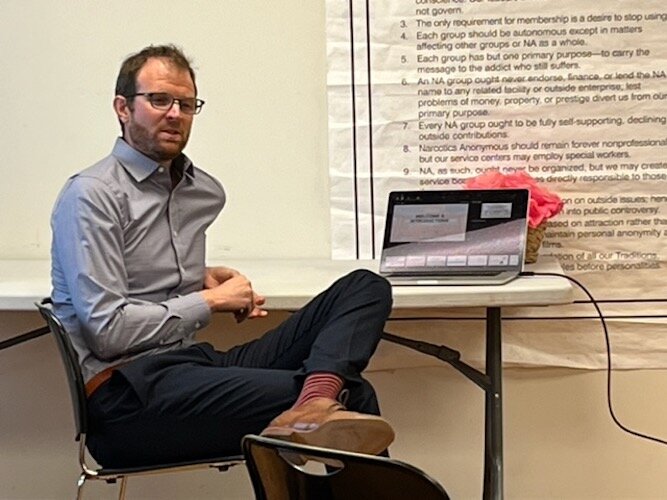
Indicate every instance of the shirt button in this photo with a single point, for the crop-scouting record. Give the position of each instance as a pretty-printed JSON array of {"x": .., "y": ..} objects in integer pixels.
[
  {"x": 197, "y": 325},
  {"x": 174, "y": 233},
  {"x": 161, "y": 169}
]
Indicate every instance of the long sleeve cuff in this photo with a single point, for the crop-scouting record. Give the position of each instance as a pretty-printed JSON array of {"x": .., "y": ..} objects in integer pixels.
[{"x": 192, "y": 310}]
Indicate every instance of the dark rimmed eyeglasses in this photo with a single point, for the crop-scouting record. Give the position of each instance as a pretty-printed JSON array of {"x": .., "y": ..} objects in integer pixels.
[{"x": 164, "y": 101}]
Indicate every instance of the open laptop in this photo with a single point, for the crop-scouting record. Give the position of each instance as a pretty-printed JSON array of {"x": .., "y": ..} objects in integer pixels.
[{"x": 466, "y": 237}]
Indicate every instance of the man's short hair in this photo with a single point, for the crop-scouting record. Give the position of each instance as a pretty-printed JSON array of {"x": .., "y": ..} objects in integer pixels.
[{"x": 126, "y": 84}]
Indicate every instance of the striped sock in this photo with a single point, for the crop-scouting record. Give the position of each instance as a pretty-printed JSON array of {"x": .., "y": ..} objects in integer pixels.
[{"x": 319, "y": 385}]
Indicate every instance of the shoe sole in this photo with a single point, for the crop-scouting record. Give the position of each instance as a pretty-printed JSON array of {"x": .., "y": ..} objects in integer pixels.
[{"x": 368, "y": 435}]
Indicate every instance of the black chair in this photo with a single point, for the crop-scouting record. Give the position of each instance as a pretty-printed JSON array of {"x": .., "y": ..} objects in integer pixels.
[
  {"x": 79, "y": 401},
  {"x": 280, "y": 470}
]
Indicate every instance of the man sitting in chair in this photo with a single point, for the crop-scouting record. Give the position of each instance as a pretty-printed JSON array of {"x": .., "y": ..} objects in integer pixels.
[{"x": 131, "y": 287}]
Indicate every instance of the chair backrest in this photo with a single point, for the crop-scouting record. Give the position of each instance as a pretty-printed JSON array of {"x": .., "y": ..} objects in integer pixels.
[
  {"x": 71, "y": 363},
  {"x": 279, "y": 470}
]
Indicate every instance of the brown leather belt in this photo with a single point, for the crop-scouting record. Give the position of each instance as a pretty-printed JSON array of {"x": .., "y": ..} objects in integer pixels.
[{"x": 94, "y": 383}]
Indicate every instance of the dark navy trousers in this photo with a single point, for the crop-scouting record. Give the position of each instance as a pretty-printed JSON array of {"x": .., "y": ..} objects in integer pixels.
[{"x": 198, "y": 403}]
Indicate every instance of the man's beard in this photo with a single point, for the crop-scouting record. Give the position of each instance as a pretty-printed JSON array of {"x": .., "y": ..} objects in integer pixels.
[{"x": 150, "y": 146}]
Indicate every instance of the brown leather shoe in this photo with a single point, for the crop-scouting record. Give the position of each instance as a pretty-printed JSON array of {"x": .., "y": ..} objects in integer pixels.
[{"x": 326, "y": 423}]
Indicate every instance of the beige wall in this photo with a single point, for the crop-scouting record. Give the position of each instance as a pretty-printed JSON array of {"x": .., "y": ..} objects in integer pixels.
[{"x": 261, "y": 68}]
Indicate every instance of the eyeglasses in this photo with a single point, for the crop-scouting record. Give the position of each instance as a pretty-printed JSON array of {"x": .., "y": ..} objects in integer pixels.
[{"x": 164, "y": 102}]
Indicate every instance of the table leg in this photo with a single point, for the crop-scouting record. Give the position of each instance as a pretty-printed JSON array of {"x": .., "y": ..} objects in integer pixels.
[
  {"x": 493, "y": 422},
  {"x": 491, "y": 383}
]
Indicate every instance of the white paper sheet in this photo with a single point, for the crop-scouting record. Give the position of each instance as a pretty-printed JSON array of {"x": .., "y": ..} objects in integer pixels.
[{"x": 426, "y": 93}]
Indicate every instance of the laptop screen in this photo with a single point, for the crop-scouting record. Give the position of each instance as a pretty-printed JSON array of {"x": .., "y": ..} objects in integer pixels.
[{"x": 455, "y": 232}]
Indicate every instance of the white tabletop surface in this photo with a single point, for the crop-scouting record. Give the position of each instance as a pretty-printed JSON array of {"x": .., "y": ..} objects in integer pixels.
[{"x": 290, "y": 283}]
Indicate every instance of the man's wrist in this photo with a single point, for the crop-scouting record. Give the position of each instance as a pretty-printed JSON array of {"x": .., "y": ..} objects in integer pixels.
[{"x": 209, "y": 298}]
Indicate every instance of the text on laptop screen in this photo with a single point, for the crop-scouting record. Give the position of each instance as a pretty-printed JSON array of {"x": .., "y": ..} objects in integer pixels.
[{"x": 470, "y": 230}]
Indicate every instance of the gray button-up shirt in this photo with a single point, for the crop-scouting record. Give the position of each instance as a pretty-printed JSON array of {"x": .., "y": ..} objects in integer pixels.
[{"x": 128, "y": 257}]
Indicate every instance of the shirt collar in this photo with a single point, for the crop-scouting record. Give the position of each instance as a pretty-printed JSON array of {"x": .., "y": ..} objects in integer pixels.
[{"x": 141, "y": 166}]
